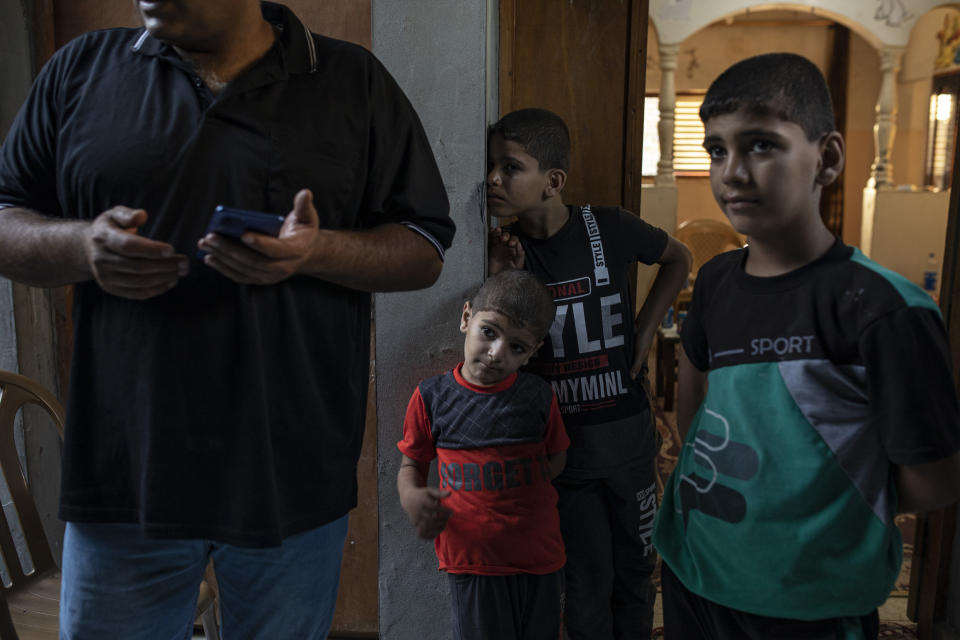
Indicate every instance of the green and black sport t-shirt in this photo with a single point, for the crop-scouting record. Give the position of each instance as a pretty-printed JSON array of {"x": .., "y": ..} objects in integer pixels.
[{"x": 819, "y": 381}]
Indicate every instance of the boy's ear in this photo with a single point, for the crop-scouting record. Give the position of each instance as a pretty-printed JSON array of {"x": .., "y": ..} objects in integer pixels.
[
  {"x": 465, "y": 317},
  {"x": 556, "y": 178},
  {"x": 832, "y": 158}
]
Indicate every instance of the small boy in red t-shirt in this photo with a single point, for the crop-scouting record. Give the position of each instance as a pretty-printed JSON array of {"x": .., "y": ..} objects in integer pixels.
[{"x": 499, "y": 440}]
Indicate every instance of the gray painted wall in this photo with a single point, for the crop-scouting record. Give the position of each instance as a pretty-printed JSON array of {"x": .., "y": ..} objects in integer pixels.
[
  {"x": 437, "y": 51},
  {"x": 16, "y": 70}
]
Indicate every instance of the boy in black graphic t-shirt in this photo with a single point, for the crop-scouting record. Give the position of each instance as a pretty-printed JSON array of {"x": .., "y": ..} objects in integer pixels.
[{"x": 592, "y": 355}]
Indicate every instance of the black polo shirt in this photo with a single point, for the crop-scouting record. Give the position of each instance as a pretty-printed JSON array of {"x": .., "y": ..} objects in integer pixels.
[{"x": 219, "y": 410}]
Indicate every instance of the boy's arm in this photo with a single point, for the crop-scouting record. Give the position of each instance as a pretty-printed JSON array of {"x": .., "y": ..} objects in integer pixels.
[
  {"x": 914, "y": 404},
  {"x": 504, "y": 251},
  {"x": 674, "y": 269},
  {"x": 691, "y": 390},
  {"x": 422, "y": 503},
  {"x": 557, "y": 461},
  {"x": 928, "y": 486}
]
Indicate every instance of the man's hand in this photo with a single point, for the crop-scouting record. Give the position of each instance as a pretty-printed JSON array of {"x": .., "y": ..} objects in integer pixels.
[
  {"x": 426, "y": 511},
  {"x": 260, "y": 259},
  {"x": 504, "y": 251},
  {"x": 128, "y": 265}
]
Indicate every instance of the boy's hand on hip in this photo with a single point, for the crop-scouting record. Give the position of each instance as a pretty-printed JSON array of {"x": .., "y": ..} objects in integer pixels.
[{"x": 641, "y": 349}]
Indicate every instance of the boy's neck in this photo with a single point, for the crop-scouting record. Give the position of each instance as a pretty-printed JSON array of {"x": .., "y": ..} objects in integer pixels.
[
  {"x": 543, "y": 222},
  {"x": 787, "y": 252}
]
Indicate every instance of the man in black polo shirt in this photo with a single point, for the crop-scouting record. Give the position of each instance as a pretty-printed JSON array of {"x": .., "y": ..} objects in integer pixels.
[{"x": 217, "y": 393}]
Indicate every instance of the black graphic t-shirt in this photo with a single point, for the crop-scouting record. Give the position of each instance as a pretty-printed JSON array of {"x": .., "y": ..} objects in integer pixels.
[{"x": 588, "y": 352}]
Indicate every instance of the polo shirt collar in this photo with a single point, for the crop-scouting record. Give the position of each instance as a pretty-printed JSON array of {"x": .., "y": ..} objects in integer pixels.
[{"x": 295, "y": 41}]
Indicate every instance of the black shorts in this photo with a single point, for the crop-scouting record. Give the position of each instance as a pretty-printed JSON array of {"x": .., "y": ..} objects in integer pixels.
[
  {"x": 522, "y": 606},
  {"x": 687, "y": 616}
]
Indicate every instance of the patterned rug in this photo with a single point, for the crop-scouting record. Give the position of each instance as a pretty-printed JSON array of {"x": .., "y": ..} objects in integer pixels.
[
  {"x": 888, "y": 631},
  {"x": 897, "y": 631}
]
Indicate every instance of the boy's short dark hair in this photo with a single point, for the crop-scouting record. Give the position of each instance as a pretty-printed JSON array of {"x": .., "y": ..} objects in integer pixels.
[
  {"x": 785, "y": 85},
  {"x": 542, "y": 133},
  {"x": 520, "y": 296}
]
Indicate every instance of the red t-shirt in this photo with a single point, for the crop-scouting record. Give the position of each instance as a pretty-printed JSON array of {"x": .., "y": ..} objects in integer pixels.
[{"x": 492, "y": 445}]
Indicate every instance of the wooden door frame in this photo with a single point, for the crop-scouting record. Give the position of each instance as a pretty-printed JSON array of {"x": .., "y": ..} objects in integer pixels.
[
  {"x": 633, "y": 109},
  {"x": 936, "y": 531},
  {"x": 631, "y": 179}
]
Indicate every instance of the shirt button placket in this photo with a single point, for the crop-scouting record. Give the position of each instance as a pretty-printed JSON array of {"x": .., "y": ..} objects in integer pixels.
[{"x": 202, "y": 92}]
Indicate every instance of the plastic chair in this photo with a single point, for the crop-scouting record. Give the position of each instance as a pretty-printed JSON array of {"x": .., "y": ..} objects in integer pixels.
[
  {"x": 32, "y": 594},
  {"x": 705, "y": 238},
  {"x": 31, "y": 597}
]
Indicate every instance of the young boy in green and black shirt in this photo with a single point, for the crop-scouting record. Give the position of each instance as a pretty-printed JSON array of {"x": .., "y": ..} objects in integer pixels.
[{"x": 815, "y": 391}]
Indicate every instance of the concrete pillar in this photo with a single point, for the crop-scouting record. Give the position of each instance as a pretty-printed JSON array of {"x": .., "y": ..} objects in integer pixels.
[
  {"x": 438, "y": 53},
  {"x": 885, "y": 127},
  {"x": 668, "y": 105}
]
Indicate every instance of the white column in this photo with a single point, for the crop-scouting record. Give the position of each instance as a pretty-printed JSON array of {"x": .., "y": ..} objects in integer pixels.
[
  {"x": 885, "y": 127},
  {"x": 668, "y": 105}
]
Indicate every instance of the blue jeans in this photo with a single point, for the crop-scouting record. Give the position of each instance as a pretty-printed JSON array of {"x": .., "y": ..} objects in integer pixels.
[{"x": 118, "y": 584}]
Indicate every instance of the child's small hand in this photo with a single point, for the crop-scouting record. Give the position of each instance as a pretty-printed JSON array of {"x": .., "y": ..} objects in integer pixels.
[
  {"x": 504, "y": 251},
  {"x": 426, "y": 511}
]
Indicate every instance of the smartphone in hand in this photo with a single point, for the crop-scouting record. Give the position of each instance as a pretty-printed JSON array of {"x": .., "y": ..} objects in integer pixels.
[{"x": 233, "y": 223}]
